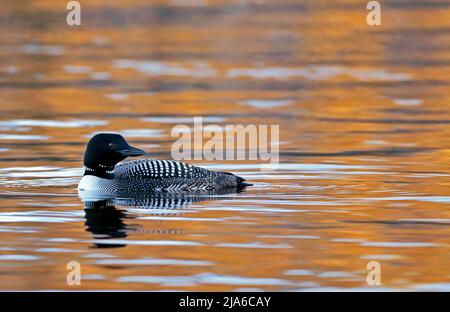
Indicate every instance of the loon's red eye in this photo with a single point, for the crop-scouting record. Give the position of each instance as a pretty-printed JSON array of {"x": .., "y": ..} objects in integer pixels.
[{"x": 112, "y": 145}]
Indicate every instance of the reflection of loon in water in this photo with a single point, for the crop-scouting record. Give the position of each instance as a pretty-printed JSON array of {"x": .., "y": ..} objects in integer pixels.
[{"x": 105, "y": 221}]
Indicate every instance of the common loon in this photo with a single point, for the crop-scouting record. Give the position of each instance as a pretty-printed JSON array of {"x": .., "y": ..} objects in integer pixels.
[{"x": 103, "y": 172}]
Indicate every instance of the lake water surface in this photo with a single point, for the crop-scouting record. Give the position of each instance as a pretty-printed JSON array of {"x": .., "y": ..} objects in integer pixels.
[{"x": 364, "y": 116}]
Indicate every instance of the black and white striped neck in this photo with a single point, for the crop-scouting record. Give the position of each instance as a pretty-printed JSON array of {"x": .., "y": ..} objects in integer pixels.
[{"x": 101, "y": 171}]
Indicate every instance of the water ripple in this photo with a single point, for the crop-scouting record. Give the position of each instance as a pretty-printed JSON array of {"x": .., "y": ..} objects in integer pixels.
[
  {"x": 203, "y": 278},
  {"x": 12, "y": 257},
  {"x": 253, "y": 245},
  {"x": 53, "y": 123},
  {"x": 152, "y": 261}
]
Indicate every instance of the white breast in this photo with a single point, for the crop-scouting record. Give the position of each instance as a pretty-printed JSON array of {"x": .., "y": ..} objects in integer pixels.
[{"x": 93, "y": 183}]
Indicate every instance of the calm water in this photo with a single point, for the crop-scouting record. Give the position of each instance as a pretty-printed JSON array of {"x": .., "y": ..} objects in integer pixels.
[{"x": 364, "y": 125}]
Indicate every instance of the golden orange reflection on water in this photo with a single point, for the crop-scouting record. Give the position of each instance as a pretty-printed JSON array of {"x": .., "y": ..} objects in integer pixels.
[{"x": 364, "y": 147}]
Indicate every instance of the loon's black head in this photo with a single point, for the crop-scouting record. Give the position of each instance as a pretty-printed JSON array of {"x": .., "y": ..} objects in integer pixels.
[{"x": 105, "y": 150}]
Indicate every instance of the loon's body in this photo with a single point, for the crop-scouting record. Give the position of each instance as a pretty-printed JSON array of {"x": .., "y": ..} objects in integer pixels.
[{"x": 104, "y": 173}]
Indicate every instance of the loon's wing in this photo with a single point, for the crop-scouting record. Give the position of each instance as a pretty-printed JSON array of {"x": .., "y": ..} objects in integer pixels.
[
  {"x": 174, "y": 175},
  {"x": 159, "y": 169}
]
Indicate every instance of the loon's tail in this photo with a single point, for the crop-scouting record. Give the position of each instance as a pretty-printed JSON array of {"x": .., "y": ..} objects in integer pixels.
[{"x": 241, "y": 182}]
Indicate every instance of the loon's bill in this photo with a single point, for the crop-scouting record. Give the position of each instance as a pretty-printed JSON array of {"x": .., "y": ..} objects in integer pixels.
[{"x": 105, "y": 173}]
